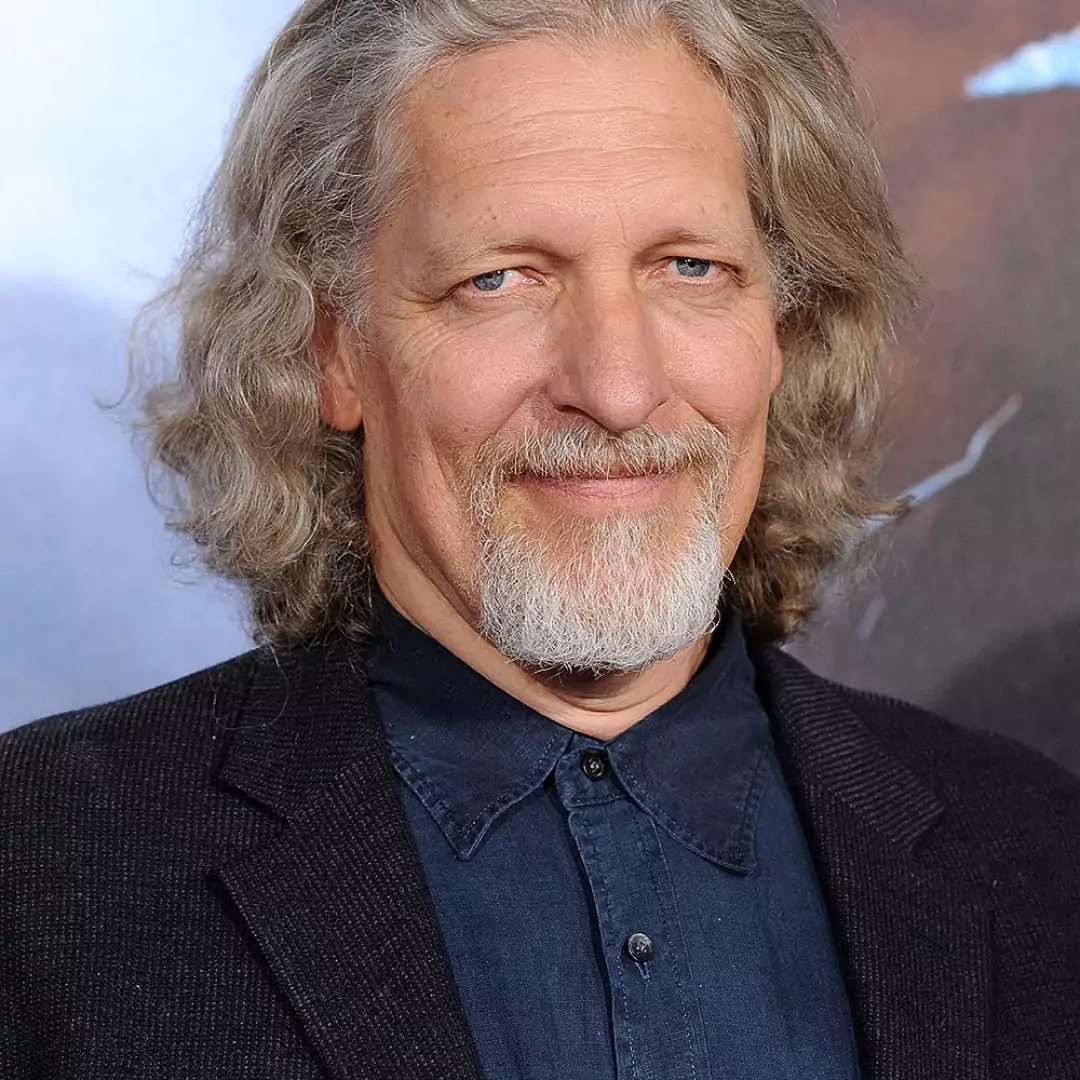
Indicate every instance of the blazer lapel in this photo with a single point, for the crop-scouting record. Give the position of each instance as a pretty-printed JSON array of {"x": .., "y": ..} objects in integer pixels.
[
  {"x": 912, "y": 934},
  {"x": 336, "y": 900}
]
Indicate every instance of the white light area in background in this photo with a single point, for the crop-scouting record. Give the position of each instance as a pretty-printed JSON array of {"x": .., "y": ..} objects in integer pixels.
[
  {"x": 113, "y": 120},
  {"x": 114, "y": 117},
  {"x": 1052, "y": 64}
]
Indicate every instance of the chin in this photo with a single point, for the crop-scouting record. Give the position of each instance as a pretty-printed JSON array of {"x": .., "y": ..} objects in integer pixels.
[{"x": 611, "y": 595}]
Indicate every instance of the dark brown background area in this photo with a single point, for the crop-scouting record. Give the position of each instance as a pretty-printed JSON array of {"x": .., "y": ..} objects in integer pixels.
[{"x": 978, "y": 593}]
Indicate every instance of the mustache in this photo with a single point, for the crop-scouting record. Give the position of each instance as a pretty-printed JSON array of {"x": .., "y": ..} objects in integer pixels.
[{"x": 576, "y": 452}]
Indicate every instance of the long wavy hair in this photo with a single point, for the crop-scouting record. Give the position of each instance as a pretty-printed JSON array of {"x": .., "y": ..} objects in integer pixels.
[{"x": 273, "y": 498}]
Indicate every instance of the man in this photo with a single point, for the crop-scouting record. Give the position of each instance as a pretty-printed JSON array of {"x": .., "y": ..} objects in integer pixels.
[{"x": 527, "y": 379}]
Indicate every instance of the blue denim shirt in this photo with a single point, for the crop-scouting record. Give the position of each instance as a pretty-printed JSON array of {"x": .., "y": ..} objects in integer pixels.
[{"x": 644, "y": 908}]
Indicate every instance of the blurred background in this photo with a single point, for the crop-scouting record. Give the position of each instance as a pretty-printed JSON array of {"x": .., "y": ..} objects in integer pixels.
[{"x": 114, "y": 117}]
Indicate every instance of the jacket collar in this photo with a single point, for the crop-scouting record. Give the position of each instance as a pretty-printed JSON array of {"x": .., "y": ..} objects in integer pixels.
[
  {"x": 337, "y": 904},
  {"x": 828, "y": 746}
]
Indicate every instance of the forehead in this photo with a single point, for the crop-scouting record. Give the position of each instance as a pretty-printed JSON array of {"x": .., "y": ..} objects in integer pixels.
[{"x": 543, "y": 126}]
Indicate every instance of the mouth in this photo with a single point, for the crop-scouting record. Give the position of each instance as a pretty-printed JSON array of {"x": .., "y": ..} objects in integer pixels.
[
  {"x": 613, "y": 486},
  {"x": 612, "y": 472}
]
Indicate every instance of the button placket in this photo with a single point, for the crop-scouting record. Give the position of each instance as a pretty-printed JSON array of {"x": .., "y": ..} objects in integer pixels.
[{"x": 654, "y": 1010}]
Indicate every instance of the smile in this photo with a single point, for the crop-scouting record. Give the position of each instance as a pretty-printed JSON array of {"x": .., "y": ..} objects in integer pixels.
[{"x": 601, "y": 488}]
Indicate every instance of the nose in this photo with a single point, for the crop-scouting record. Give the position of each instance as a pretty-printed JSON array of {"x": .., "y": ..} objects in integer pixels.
[{"x": 610, "y": 359}]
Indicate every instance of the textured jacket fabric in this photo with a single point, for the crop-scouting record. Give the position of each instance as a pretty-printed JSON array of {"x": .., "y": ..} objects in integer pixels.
[{"x": 215, "y": 879}]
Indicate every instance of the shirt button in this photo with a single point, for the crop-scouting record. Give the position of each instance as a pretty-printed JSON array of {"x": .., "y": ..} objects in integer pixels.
[
  {"x": 639, "y": 948},
  {"x": 593, "y": 764}
]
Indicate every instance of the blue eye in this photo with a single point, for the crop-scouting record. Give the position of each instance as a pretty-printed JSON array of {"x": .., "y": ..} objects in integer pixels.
[
  {"x": 693, "y": 268},
  {"x": 492, "y": 281}
]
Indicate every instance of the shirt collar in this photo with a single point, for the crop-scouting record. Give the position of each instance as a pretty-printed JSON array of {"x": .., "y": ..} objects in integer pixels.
[{"x": 470, "y": 751}]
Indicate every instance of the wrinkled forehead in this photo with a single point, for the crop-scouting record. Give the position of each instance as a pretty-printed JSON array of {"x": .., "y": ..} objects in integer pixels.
[
  {"x": 591, "y": 89},
  {"x": 552, "y": 122}
]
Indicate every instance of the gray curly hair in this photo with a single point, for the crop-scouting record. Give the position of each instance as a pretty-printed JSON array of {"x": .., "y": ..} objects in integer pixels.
[{"x": 273, "y": 497}]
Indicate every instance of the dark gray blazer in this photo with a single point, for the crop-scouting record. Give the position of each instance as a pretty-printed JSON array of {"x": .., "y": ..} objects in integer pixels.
[{"x": 215, "y": 879}]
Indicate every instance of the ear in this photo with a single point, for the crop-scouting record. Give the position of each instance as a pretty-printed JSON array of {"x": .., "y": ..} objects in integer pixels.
[
  {"x": 340, "y": 390},
  {"x": 776, "y": 370}
]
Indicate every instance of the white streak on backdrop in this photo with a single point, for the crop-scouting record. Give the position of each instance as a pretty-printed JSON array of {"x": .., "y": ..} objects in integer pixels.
[
  {"x": 1039, "y": 66},
  {"x": 113, "y": 119}
]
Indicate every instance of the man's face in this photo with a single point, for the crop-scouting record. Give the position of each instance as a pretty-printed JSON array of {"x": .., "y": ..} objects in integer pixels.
[{"x": 570, "y": 351}]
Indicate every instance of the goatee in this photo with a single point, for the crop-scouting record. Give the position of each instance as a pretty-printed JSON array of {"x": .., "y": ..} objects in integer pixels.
[{"x": 611, "y": 593}]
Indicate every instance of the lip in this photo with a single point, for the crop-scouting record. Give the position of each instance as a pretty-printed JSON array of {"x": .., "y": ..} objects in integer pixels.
[{"x": 603, "y": 489}]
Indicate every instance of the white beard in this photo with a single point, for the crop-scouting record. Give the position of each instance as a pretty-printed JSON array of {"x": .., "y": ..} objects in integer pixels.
[{"x": 620, "y": 593}]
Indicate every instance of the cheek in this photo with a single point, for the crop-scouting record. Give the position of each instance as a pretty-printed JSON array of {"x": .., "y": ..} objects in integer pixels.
[
  {"x": 729, "y": 381},
  {"x": 450, "y": 392}
]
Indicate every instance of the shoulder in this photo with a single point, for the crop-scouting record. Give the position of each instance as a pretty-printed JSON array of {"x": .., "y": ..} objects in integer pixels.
[
  {"x": 992, "y": 777},
  {"x": 153, "y": 732},
  {"x": 116, "y": 808},
  {"x": 939, "y": 749},
  {"x": 1018, "y": 810}
]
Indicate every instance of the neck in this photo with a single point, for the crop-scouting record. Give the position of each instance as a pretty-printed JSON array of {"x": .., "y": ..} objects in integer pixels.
[{"x": 601, "y": 706}]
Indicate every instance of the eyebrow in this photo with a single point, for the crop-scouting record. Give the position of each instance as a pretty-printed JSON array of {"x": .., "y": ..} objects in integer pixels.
[
  {"x": 446, "y": 257},
  {"x": 737, "y": 241}
]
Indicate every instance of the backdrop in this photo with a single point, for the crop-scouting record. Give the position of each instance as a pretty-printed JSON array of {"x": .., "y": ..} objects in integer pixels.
[{"x": 114, "y": 116}]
